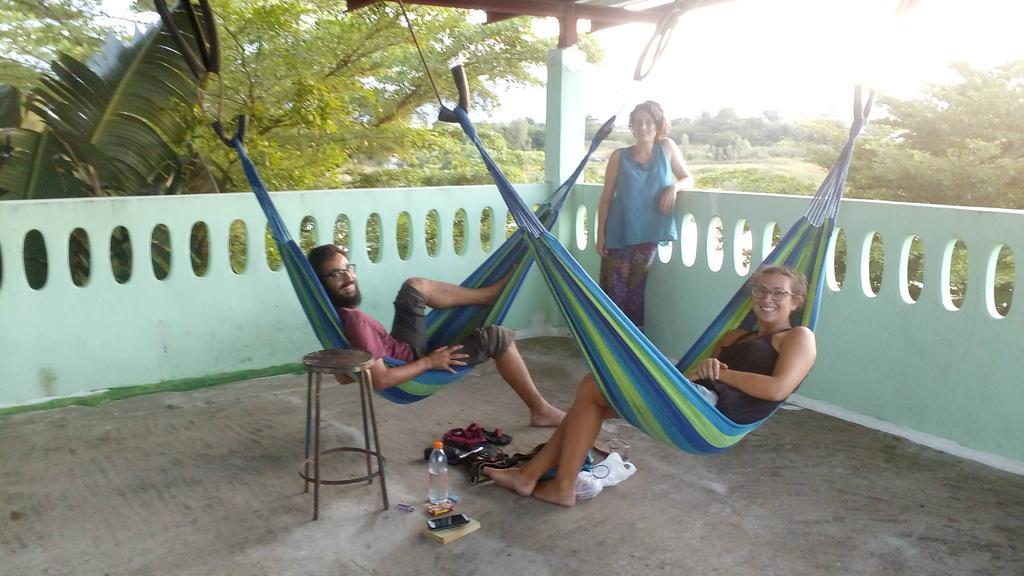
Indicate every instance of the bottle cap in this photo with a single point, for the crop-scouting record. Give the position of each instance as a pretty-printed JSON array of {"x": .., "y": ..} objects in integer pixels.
[{"x": 438, "y": 445}]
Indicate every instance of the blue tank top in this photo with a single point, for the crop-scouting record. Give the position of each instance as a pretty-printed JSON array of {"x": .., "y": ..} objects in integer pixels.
[{"x": 633, "y": 217}]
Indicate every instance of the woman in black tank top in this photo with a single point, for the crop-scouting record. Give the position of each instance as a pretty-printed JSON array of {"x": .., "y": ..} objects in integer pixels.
[
  {"x": 748, "y": 371},
  {"x": 753, "y": 372}
]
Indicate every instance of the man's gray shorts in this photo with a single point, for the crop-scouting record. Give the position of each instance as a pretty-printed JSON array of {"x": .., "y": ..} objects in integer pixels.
[{"x": 410, "y": 326}]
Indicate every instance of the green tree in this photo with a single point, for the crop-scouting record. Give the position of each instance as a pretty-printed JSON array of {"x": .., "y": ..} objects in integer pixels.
[
  {"x": 34, "y": 32},
  {"x": 961, "y": 143},
  {"x": 331, "y": 93},
  {"x": 820, "y": 139},
  {"x": 112, "y": 126},
  {"x": 517, "y": 134}
]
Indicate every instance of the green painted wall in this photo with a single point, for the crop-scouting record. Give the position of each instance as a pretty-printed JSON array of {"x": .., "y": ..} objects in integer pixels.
[
  {"x": 952, "y": 374},
  {"x": 62, "y": 339}
]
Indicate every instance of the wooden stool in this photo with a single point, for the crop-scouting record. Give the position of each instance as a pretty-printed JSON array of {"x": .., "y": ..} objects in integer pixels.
[{"x": 356, "y": 364}]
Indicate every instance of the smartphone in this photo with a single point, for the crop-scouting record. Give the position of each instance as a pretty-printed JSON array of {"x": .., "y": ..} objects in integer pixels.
[{"x": 447, "y": 521}]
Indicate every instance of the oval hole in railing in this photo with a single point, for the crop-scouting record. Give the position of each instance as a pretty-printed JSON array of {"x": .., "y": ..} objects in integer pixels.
[
  {"x": 716, "y": 244},
  {"x": 342, "y": 231},
  {"x": 270, "y": 249},
  {"x": 835, "y": 263},
  {"x": 403, "y": 235},
  {"x": 510, "y": 225},
  {"x": 770, "y": 238},
  {"x": 665, "y": 250},
  {"x": 688, "y": 239},
  {"x": 374, "y": 233},
  {"x": 35, "y": 259},
  {"x": 121, "y": 254},
  {"x": 432, "y": 232},
  {"x": 199, "y": 246},
  {"x": 872, "y": 264},
  {"x": 160, "y": 251},
  {"x": 954, "y": 275},
  {"x": 911, "y": 269},
  {"x": 486, "y": 228},
  {"x": 459, "y": 231},
  {"x": 79, "y": 257},
  {"x": 999, "y": 281},
  {"x": 238, "y": 246},
  {"x": 307, "y": 234},
  {"x": 742, "y": 247},
  {"x": 581, "y": 228}
]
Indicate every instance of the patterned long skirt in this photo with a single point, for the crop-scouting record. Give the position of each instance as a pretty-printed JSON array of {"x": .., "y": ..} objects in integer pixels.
[{"x": 624, "y": 278}]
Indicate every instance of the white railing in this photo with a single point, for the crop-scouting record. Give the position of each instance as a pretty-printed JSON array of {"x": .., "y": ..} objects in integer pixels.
[{"x": 942, "y": 367}]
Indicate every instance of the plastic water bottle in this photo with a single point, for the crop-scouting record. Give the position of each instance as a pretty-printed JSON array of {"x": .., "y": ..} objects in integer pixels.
[{"x": 437, "y": 466}]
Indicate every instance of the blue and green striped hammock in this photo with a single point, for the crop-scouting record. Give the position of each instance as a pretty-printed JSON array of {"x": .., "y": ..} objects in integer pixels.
[
  {"x": 444, "y": 326},
  {"x": 641, "y": 384}
]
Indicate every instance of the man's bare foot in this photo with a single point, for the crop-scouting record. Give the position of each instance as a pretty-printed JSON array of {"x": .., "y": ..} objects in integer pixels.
[
  {"x": 494, "y": 290},
  {"x": 512, "y": 479},
  {"x": 547, "y": 417},
  {"x": 550, "y": 491}
]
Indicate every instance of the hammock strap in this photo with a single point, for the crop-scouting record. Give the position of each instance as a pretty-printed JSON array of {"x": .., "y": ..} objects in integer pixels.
[{"x": 408, "y": 24}]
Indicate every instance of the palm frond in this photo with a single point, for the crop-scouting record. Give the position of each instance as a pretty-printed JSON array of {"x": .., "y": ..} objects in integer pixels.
[
  {"x": 124, "y": 111},
  {"x": 35, "y": 167}
]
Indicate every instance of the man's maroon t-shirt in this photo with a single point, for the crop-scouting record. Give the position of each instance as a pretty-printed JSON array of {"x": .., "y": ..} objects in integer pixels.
[{"x": 365, "y": 333}]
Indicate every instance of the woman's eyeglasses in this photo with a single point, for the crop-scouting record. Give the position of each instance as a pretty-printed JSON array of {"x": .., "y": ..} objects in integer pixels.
[
  {"x": 777, "y": 294},
  {"x": 338, "y": 273}
]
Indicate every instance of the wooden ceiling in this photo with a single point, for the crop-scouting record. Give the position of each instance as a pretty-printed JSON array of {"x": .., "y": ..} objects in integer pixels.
[{"x": 600, "y": 13}]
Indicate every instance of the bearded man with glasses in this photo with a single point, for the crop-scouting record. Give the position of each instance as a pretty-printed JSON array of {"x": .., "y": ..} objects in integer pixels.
[{"x": 407, "y": 340}]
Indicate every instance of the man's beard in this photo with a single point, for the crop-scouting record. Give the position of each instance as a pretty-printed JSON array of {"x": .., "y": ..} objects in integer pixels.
[{"x": 347, "y": 301}]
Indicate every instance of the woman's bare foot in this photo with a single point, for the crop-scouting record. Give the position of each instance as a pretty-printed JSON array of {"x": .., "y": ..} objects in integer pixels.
[
  {"x": 511, "y": 478},
  {"x": 551, "y": 491},
  {"x": 547, "y": 417}
]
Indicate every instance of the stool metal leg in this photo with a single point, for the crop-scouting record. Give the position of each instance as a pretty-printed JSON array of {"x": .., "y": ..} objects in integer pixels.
[
  {"x": 309, "y": 421},
  {"x": 337, "y": 362},
  {"x": 316, "y": 454},
  {"x": 376, "y": 440},
  {"x": 363, "y": 393}
]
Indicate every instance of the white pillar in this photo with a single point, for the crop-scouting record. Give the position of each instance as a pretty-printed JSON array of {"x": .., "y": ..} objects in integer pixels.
[{"x": 565, "y": 119}]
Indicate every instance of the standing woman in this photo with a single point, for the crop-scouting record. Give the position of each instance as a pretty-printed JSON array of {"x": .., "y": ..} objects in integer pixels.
[{"x": 636, "y": 209}]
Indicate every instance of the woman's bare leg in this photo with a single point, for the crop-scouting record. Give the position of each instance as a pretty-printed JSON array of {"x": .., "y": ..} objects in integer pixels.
[
  {"x": 588, "y": 411},
  {"x": 567, "y": 448}
]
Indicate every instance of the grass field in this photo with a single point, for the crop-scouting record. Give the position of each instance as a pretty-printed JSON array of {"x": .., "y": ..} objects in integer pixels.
[
  {"x": 778, "y": 175},
  {"x": 799, "y": 169}
]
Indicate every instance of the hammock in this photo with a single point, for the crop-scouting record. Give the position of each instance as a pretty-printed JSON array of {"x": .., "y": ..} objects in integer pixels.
[
  {"x": 443, "y": 326},
  {"x": 640, "y": 383}
]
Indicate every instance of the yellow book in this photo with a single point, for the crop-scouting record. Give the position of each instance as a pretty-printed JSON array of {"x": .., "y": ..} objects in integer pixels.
[{"x": 451, "y": 534}]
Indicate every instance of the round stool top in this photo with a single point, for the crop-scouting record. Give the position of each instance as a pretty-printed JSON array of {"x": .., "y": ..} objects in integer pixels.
[{"x": 337, "y": 360}]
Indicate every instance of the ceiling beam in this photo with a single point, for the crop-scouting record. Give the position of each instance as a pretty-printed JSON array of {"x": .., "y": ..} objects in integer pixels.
[
  {"x": 351, "y": 5},
  {"x": 492, "y": 17},
  {"x": 567, "y": 35},
  {"x": 561, "y": 9}
]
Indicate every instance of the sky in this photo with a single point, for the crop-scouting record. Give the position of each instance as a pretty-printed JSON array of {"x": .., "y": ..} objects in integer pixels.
[{"x": 800, "y": 58}]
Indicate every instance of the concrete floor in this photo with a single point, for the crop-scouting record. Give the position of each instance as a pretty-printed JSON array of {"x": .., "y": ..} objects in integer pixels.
[{"x": 205, "y": 482}]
